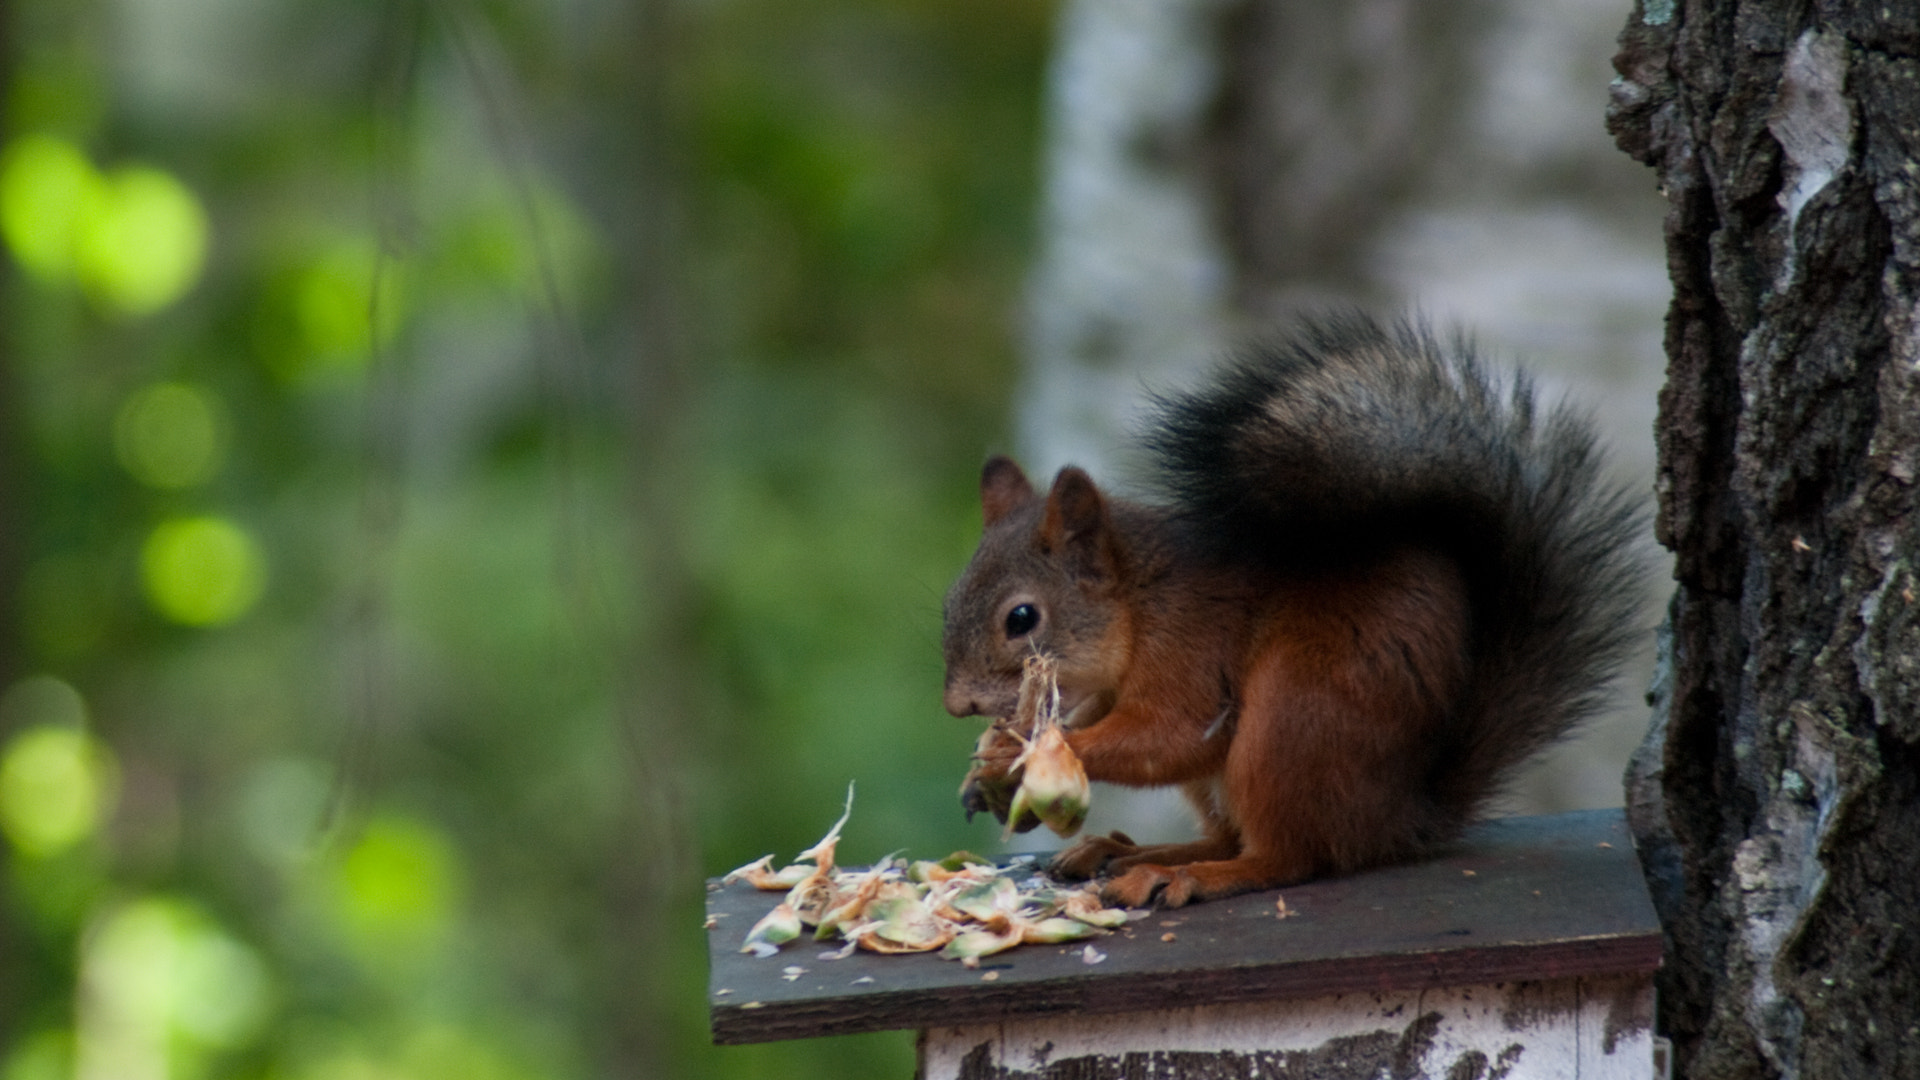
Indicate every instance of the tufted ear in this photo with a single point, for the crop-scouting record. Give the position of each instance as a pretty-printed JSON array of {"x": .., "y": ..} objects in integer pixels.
[
  {"x": 1003, "y": 487},
  {"x": 1076, "y": 525}
]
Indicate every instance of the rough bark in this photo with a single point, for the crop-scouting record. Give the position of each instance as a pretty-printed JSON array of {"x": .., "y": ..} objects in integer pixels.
[{"x": 1777, "y": 801}]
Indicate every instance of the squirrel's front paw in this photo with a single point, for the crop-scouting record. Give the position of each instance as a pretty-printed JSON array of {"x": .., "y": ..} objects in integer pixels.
[
  {"x": 992, "y": 781},
  {"x": 1089, "y": 854},
  {"x": 999, "y": 747},
  {"x": 994, "y": 796}
]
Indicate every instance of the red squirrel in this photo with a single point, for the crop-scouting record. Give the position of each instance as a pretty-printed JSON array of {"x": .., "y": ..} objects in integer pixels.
[{"x": 1375, "y": 582}]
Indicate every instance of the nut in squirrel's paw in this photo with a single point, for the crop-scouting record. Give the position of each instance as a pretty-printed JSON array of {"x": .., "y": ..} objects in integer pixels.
[
  {"x": 1044, "y": 783},
  {"x": 1053, "y": 785}
]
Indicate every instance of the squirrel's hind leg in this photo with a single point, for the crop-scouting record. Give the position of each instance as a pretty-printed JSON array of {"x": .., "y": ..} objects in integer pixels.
[{"x": 1173, "y": 875}]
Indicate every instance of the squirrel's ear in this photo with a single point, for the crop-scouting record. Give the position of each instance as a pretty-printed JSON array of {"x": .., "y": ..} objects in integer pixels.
[
  {"x": 1075, "y": 524},
  {"x": 1002, "y": 488}
]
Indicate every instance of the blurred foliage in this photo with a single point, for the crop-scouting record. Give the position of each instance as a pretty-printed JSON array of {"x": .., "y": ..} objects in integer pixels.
[{"x": 472, "y": 468}]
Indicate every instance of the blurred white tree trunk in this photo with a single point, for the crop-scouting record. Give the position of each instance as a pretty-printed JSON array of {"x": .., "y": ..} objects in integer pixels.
[{"x": 1132, "y": 278}]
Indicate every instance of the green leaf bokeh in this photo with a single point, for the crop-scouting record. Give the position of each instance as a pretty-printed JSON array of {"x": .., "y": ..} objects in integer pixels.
[{"x": 471, "y": 470}]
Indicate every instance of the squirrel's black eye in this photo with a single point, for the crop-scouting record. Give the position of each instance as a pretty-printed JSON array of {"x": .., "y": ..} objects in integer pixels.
[{"x": 1022, "y": 620}]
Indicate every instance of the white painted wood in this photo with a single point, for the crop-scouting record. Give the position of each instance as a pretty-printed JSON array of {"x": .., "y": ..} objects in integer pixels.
[{"x": 1590, "y": 1029}]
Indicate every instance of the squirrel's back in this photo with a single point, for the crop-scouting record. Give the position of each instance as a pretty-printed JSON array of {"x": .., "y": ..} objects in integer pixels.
[{"x": 1345, "y": 436}]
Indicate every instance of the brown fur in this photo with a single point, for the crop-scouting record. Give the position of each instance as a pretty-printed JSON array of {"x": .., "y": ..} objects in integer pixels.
[{"x": 1334, "y": 685}]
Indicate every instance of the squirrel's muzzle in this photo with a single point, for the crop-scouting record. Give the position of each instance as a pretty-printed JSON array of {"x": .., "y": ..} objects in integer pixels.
[{"x": 961, "y": 703}]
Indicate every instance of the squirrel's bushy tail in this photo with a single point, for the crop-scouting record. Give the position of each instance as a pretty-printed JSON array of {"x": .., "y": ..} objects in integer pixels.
[{"x": 1345, "y": 435}]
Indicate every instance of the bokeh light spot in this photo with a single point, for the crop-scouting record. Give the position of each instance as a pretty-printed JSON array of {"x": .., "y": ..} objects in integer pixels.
[
  {"x": 399, "y": 880},
  {"x": 47, "y": 188},
  {"x": 56, "y": 785},
  {"x": 346, "y": 301},
  {"x": 144, "y": 247},
  {"x": 202, "y": 571},
  {"x": 158, "y": 970},
  {"x": 136, "y": 239},
  {"x": 280, "y": 809},
  {"x": 170, "y": 435},
  {"x": 42, "y": 700},
  {"x": 223, "y": 988}
]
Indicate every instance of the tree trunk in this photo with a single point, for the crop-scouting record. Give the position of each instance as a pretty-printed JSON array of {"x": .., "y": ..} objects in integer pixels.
[
  {"x": 1214, "y": 164},
  {"x": 1130, "y": 278},
  {"x": 657, "y": 690},
  {"x": 1777, "y": 800}
]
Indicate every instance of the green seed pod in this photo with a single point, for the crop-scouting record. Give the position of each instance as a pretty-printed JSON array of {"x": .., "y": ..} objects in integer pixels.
[{"x": 1054, "y": 786}]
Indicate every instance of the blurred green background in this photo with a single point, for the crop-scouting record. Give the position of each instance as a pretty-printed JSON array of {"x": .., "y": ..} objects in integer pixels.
[{"x": 472, "y": 468}]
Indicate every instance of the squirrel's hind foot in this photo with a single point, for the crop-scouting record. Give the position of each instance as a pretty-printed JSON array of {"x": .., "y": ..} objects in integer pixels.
[
  {"x": 1117, "y": 853},
  {"x": 1145, "y": 884}
]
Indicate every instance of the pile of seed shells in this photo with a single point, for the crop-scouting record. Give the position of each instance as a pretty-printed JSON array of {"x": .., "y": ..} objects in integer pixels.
[{"x": 962, "y": 905}]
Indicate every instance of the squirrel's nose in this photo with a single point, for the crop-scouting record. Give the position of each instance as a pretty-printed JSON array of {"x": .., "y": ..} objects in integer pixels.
[{"x": 960, "y": 703}]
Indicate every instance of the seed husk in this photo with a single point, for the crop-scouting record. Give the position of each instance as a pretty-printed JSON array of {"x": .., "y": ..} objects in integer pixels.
[
  {"x": 1053, "y": 786},
  {"x": 903, "y": 924},
  {"x": 1052, "y": 783},
  {"x": 848, "y": 905},
  {"x": 1054, "y": 931},
  {"x": 974, "y": 944},
  {"x": 981, "y": 902},
  {"x": 1084, "y": 905},
  {"x": 954, "y": 865},
  {"x": 761, "y": 875},
  {"x": 775, "y": 928}
]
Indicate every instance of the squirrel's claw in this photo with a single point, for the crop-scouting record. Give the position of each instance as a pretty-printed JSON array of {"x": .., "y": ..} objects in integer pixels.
[
  {"x": 972, "y": 799},
  {"x": 979, "y": 794},
  {"x": 991, "y": 782}
]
